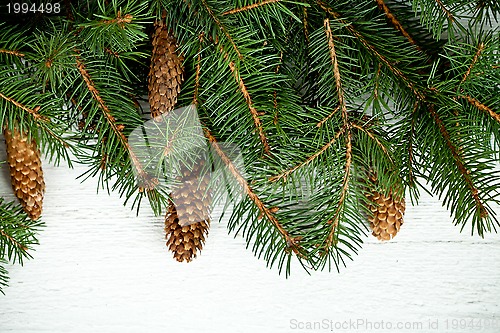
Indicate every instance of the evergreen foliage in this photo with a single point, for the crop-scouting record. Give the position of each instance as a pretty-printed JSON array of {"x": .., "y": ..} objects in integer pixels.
[{"x": 316, "y": 94}]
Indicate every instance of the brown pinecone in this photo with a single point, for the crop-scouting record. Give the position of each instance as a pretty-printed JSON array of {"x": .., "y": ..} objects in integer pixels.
[
  {"x": 187, "y": 220},
  {"x": 386, "y": 214},
  {"x": 165, "y": 72},
  {"x": 25, "y": 171}
]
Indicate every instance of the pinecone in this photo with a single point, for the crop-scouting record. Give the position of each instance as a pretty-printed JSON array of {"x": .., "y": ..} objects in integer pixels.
[
  {"x": 386, "y": 214},
  {"x": 187, "y": 222},
  {"x": 165, "y": 72},
  {"x": 25, "y": 171}
]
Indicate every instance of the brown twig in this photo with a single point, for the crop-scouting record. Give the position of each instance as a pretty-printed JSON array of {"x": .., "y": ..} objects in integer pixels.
[
  {"x": 14, "y": 241},
  {"x": 251, "y": 107},
  {"x": 113, "y": 53},
  {"x": 445, "y": 10},
  {"x": 482, "y": 107},
  {"x": 410, "y": 144},
  {"x": 33, "y": 112},
  {"x": 336, "y": 71},
  {"x": 117, "y": 129},
  {"x": 120, "y": 20},
  {"x": 311, "y": 158},
  {"x": 248, "y": 7},
  {"x": 198, "y": 69},
  {"x": 304, "y": 22},
  {"x": 343, "y": 194},
  {"x": 458, "y": 161},
  {"x": 480, "y": 49},
  {"x": 395, "y": 22},
  {"x": 372, "y": 49},
  {"x": 377, "y": 141},
  {"x": 324, "y": 120},
  {"x": 222, "y": 28},
  {"x": 292, "y": 242},
  {"x": 13, "y": 52}
]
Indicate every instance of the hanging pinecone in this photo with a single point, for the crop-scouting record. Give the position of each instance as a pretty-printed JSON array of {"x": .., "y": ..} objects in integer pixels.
[
  {"x": 187, "y": 220},
  {"x": 25, "y": 171},
  {"x": 386, "y": 213},
  {"x": 165, "y": 72}
]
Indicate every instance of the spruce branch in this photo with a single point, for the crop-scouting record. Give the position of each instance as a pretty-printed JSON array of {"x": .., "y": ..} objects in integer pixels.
[
  {"x": 32, "y": 111},
  {"x": 480, "y": 49},
  {"x": 465, "y": 173},
  {"x": 293, "y": 243},
  {"x": 222, "y": 28},
  {"x": 372, "y": 49},
  {"x": 395, "y": 22},
  {"x": 249, "y": 7},
  {"x": 482, "y": 107},
  {"x": 284, "y": 175},
  {"x": 251, "y": 107},
  {"x": 17, "y": 236},
  {"x": 343, "y": 194},
  {"x": 12, "y": 52}
]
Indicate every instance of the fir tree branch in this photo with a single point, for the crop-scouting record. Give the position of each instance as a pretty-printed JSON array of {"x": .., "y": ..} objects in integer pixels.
[
  {"x": 116, "y": 128},
  {"x": 304, "y": 23},
  {"x": 336, "y": 72},
  {"x": 12, "y": 52},
  {"x": 446, "y": 11},
  {"x": 458, "y": 161},
  {"x": 392, "y": 67},
  {"x": 292, "y": 242},
  {"x": 222, "y": 28},
  {"x": 311, "y": 158},
  {"x": 343, "y": 193},
  {"x": 251, "y": 107},
  {"x": 324, "y": 120},
  {"x": 120, "y": 20},
  {"x": 371, "y": 136},
  {"x": 410, "y": 144},
  {"x": 249, "y": 7},
  {"x": 395, "y": 22},
  {"x": 198, "y": 69},
  {"x": 480, "y": 49},
  {"x": 482, "y": 107},
  {"x": 13, "y": 241},
  {"x": 33, "y": 112}
]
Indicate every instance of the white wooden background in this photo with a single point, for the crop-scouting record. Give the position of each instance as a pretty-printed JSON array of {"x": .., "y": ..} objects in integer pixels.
[{"x": 99, "y": 268}]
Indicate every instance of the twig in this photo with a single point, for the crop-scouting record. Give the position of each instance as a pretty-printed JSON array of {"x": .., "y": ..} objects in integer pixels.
[
  {"x": 292, "y": 242},
  {"x": 345, "y": 187},
  {"x": 324, "y": 120},
  {"x": 372, "y": 49},
  {"x": 309, "y": 159},
  {"x": 222, "y": 28},
  {"x": 251, "y": 107},
  {"x": 482, "y": 107},
  {"x": 14, "y": 241},
  {"x": 13, "y": 52},
  {"x": 248, "y": 7},
  {"x": 117, "y": 129},
  {"x": 395, "y": 22},
  {"x": 336, "y": 71},
  {"x": 33, "y": 112},
  {"x": 480, "y": 49},
  {"x": 377, "y": 141},
  {"x": 120, "y": 20},
  {"x": 458, "y": 161},
  {"x": 198, "y": 69},
  {"x": 446, "y": 11}
]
